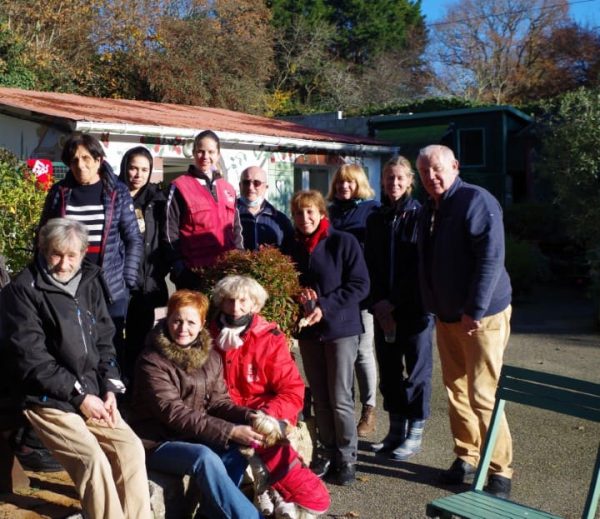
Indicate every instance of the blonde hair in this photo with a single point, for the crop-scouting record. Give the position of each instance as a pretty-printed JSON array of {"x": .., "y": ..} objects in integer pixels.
[
  {"x": 235, "y": 286},
  {"x": 402, "y": 162},
  {"x": 308, "y": 197},
  {"x": 348, "y": 173}
]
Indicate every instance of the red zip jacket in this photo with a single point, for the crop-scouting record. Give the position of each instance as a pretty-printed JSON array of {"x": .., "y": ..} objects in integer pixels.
[{"x": 262, "y": 374}]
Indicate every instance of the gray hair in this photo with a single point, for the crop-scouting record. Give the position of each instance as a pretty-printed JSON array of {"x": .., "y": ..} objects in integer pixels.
[
  {"x": 235, "y": 286},
  {"x": 59, "y": 233},
  {"x": 445, "y": 152}
]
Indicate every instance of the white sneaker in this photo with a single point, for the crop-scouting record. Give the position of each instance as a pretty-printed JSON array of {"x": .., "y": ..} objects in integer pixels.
[{"x": 264, "y": 503}]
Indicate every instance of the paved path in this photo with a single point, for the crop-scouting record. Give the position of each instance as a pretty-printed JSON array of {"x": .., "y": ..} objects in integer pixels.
[{"x": 552, "y": 331}]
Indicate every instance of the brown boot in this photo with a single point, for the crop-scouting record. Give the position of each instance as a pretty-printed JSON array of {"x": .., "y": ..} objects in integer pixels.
[{"x": 367, "y": 422}]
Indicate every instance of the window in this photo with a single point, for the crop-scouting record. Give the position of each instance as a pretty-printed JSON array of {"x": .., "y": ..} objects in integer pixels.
[
  {"x": 471, "y": 147},
  {"x": 310, "y": 177}
]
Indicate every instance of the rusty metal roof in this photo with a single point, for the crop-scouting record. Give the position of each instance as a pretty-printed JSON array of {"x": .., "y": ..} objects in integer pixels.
[{"x": 79, "y": 108}]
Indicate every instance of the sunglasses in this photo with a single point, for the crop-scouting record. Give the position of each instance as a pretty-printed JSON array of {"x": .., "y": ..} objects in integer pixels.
[{"x": 256, "y": 183}]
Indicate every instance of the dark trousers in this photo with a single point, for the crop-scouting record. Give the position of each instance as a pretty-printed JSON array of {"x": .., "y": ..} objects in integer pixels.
[
  {"x": 140, "y": 320},
  {"x": 118, "y": 314},
  {"x": 405, "y": 368}
]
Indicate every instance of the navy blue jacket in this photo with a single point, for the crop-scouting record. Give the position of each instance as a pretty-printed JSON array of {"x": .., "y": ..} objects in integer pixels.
[
  {"x": 122, "y": 243},
  {"x": 337, "y": 271},
  {"x": 461, "y": 254},
  {"x": 268, "y": 227},
  {"x": 351, "y": 216},
  {"x": 391, "y": 255}
]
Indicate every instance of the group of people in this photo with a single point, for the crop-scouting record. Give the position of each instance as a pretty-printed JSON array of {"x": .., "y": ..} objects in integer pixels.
[{"x": 376, "y": 280}]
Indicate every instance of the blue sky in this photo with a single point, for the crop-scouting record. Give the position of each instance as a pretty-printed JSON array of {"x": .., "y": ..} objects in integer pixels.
[{"x": 586, "y": 12}]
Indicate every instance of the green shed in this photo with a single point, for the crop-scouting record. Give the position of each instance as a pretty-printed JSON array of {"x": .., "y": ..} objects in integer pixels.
[{"x": 492, "y": 144}]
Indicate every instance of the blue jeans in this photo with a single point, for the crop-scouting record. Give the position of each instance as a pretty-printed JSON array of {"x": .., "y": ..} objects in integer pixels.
[{"x": 216, "y": 474}]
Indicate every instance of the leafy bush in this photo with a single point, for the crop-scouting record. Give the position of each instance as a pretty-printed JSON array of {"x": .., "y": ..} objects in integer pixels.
[
  {"x": 273, "y": 270},
  {"x": 21, "y": 202},
  {"x": 570, "y": 158},
  {"x": 525, "y": 264},
  {"x": 569, "y": 129},
  {"x": 534, "y": 221}
]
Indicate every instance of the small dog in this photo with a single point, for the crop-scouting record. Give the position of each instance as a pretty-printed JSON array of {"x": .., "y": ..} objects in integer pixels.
[{"x": 283, "y": 486}]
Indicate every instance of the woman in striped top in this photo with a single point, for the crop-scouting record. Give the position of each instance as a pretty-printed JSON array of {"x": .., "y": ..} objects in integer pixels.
[{"x": 91, "y": 194}]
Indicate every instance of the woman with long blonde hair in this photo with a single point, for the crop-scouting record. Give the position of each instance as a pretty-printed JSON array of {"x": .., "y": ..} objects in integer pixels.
[{"x": 351, "y": 204}]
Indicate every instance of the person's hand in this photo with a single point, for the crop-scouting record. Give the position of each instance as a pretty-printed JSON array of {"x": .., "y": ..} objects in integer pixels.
[
  {"x": 312, "y": 313},
  {"x": 110, "y": 404},
  {"x": 93, "y": 409},
  {"x": 314, "y": 317},
  {"x": 245, "y": 435},
  {"x": 469, "y": 325},
  {"x": 307, "y": 294},
  {"x": 382, "y": 309},
  {"x": 387, "y": 322}
]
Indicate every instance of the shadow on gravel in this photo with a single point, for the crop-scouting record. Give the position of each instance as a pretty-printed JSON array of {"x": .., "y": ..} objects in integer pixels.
[
  {"x": 52, "y": 486},
  {"x": 554, "y": 309},
  {"x": 371, "y": 464}
]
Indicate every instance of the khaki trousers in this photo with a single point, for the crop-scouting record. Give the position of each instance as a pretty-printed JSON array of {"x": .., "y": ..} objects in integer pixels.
[
  {"x": 471, "y": 366},
  {"x": 107, "y": 465}
]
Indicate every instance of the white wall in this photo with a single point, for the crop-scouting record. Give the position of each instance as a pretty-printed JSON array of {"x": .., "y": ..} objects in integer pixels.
[{"x": 29, "y": 139}]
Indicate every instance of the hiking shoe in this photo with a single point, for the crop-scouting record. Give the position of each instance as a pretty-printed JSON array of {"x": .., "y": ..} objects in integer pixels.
[
  {"x": 37, "y": 460},
  {"x": 498, "y": 486},
  {"x": 460, "y": 472},
  {"x": 367, "y": 423}
]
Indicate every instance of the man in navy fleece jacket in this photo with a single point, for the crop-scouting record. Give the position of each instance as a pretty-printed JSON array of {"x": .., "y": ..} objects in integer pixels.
[{"x": 464, "y": 283}]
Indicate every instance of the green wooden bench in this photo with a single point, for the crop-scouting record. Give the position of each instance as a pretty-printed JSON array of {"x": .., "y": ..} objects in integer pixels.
[{"x": 533, "y": 388}]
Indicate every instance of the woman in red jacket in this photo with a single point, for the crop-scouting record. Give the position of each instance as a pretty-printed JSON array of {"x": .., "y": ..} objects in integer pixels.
[
  {"x": 261, "y": 373},
  {"x": 259, "y": 369}
]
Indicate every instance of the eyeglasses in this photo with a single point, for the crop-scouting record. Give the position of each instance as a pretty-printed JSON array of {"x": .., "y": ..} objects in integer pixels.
[{"x": 256, "y": 183}]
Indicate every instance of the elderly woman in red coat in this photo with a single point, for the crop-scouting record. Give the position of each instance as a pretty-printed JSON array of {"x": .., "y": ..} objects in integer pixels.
[{"x": 261, "y": 373}]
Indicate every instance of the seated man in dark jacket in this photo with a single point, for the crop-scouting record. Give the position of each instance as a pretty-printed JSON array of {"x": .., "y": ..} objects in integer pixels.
[{"x": 60, "y": 333}]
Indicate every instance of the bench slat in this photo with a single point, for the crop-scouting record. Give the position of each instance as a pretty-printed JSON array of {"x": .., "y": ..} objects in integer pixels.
[{"x": 479, "y": 505}]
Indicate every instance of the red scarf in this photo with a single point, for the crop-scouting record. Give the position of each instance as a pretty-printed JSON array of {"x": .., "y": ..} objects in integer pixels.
[{"x": 310, "y": 241}]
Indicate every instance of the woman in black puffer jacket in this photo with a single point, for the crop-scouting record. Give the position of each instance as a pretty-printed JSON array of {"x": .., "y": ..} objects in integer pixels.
[{"x": 151, "y": 291}]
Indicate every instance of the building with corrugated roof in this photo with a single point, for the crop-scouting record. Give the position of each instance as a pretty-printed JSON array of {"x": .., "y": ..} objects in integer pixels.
[{"x": 36, "y": 124}]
